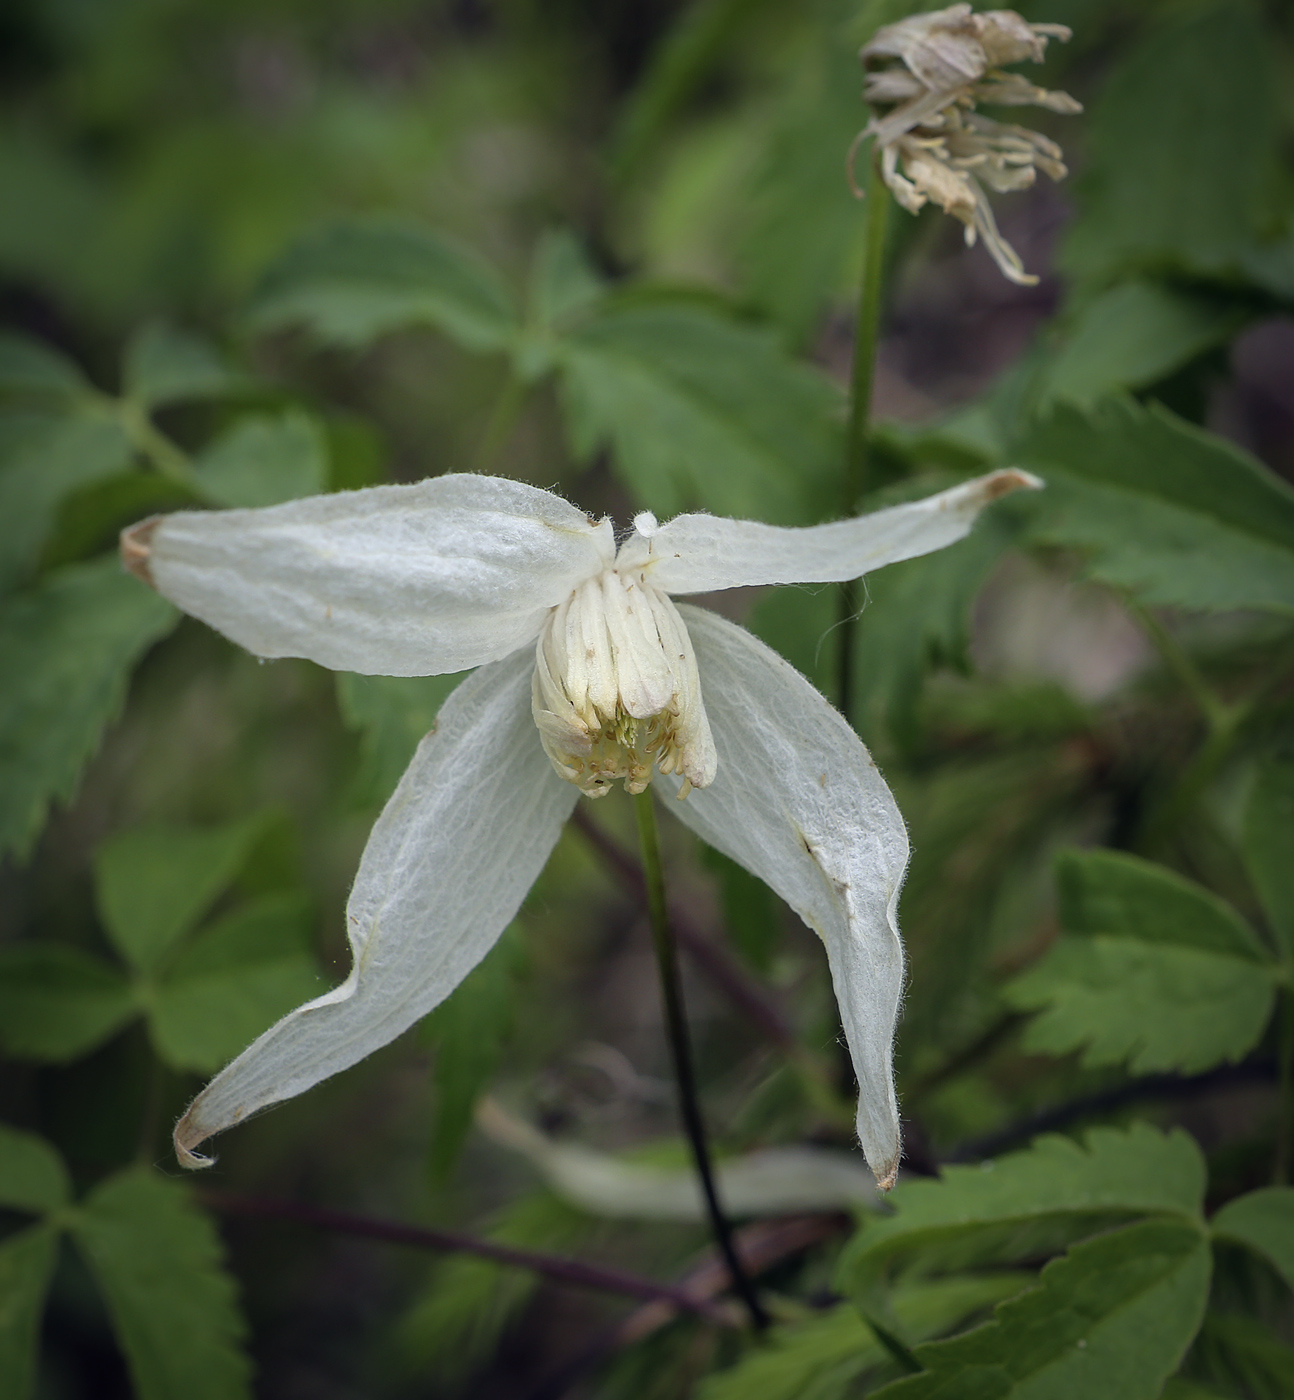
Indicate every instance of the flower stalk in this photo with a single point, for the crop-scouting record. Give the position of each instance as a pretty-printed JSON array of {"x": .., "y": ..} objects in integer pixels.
[
  {"x": 862, "y": 378},
  {"x": 681, "y": 1054}
]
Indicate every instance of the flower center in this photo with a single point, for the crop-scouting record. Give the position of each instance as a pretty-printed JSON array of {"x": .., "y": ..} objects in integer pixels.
[{"x": 616, "y": 692}]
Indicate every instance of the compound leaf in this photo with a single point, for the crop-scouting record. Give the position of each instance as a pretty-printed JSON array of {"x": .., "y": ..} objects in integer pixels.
[
  {"x": 1111, "y": 1318},
  {"x": 32, "y": 1175},
  {"x": 821, "y": 1359},
  {"x": 44, "y": 457},
  {"x": 1132, "y": 336},
  {"x": 700, "y": 411},
  {"x": 164, "y": 365},
  {"x": 354, "y": 281},
  {"x": 231, "y": 982},
  {"x": 57, "y": 1002},
  {"x": 31, "y": 366},
  {"x": 1016, "y": 1204},
  {"x": 26, "y": 1265},
  {"x": 67, "y": 648},
  {"x": 265, "y": 459},
  {"x": 154, "y": 883},
  {"x": 158, "y": 1261},
  {"x": 1264, "y": 1221},
  {"x": 392, "y": 713},
  {"x": 1156, "y": 971},
  {"x": 1160, "y": 508},
  {"x": 1269, "y": 842},
  {"x": 1182, "y": 150}
]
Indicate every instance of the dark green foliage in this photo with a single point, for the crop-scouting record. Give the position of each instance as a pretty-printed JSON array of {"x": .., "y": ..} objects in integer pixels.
[
  {"x": 142, "y": 1236},
  {"x": 263, "y": 460},
  {"x": 204, "y": 995},
  {"x": 1113, "y": 1318},
  {"x": 162, "y": 365},
  {"x": 67, "y": 648},
  {"x": 469, "y": 1032},
  {"x": 1154, "y": 971},
  {"x": 1172, "y": 514},
  {"x": 353, "y": 282},
  {"x": 156, "y": 1258},
  {"x": 1184, "y": 141},
  {"x": 253, "y": 253}
]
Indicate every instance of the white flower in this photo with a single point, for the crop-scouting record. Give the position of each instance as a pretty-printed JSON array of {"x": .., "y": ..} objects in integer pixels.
[
  {"x": 933, "y": 145},
  {"x": 583, "y": 641}
]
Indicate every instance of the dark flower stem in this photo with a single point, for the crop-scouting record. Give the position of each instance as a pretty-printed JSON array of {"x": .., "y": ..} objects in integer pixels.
[
  {"x": 876, "y": 211},
  {"x": 681, "y": 1054},
  {"x": 569, "y": 1271}
]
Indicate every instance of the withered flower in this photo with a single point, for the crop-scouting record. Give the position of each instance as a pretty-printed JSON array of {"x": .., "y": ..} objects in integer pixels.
[{"x": 929, "y": 73}]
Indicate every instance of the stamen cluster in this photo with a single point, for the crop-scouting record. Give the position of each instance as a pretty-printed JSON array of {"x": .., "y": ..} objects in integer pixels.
[
  {"x": 933, "y": 143},
  {"x": 616, "y": 693}
]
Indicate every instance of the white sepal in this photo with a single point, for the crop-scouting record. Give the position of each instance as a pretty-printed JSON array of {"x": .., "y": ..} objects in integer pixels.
[
  {"x": 452, "y": 856},
  {"x": 703, "y": 553},
  {"x": 799, "y": 803},
  {"x": 393, "y": 580}
]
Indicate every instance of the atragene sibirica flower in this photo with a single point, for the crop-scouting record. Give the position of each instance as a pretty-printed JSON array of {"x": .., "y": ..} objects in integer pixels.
[{"x": 589, "y": 673}]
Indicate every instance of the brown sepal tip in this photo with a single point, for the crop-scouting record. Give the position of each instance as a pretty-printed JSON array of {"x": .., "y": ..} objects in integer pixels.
[
  {"x": 1002, "y": 483},
  {"x": 137, "y": 548}
]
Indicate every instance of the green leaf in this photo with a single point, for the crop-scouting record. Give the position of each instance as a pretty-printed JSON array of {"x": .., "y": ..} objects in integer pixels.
[
  {"x": 158, "y": 1261},
  {"x": 265, "y": 459},
  {"x": 822, "y": 1358},
  {"x": 563, "y": 282},
  {"x": 1242, "y": 1357},
  {"x": 469, "y": 1031},
  {"x": 163, "y": 365},
  {"x": 1157, "y": 972},
  {"x": 1108, "y": 892},
  {"x": 30, "y": 366},
  {"x": 701, "y": 411},
  {"x": 66, "y": 649},
  {"x": 1112, "y": 1318},
  {"x": 1269, "y": 843},
  {"x": 1152, "y": 1008},
  {"x": 1033, "y": 1199},
  {"x": 26, "y": 1265},
  {"x": 90, "y": 518},
  {"x": 154, "y": 883},
  {"x": 58, "y": 1003},
  {"x": 233, "y": 981},
  {"x": 353, "y": 282},
  {"x": 1182, "y": 151},
  {"x": 564, "y": 286},
  {"x": 32, "y": 1175},
  {"x": 43, "y": 458},
  {"x": 1167, "y": 511},
  {"x": 1132, "y": 336},
  {"x": 1264, "y": 1221},
  {"x": 393, "y": 714}
]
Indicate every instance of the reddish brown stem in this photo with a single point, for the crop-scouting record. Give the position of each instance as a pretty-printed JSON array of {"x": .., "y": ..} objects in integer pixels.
[{"x": 570, "y": 1271}]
